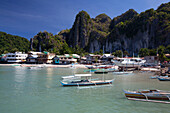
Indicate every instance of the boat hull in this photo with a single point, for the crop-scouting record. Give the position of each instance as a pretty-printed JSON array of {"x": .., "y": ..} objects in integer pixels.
[
  {"x": 164, "y": 79},
  {"x": 86, "y": 83},
  {"x": 122, "y": 73},
  {"x": 147, "y": 96},
  {"x": 98, "y": 72}
]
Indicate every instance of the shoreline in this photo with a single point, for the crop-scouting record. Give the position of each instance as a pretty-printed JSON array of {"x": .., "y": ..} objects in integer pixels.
[{"x": 47, "y": 65}]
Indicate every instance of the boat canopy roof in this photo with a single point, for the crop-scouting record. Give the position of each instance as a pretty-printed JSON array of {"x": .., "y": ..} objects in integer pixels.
[
  {"x": 65, "y": 77},
  {"x": 82, "y": 75}
]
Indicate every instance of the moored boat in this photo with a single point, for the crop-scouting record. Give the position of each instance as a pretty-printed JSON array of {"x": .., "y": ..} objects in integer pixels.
[
  {"x": 101, "y": 72},
  {"x": 148, "y": 94},
  {"x": 85, "y": 82},
  {"x": 161, "y": 78},
  {"x": 35, "y": 67},
  {"x": 123, "y": 72},
  {"x": 91, "y": 70}
]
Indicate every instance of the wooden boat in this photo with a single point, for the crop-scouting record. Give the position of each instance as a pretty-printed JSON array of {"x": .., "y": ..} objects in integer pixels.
[
  {"x": 91, "y": 67},
  {"x": 91, "y": 70},
  {"x": 123, "y": 72},
  {"x": 101, "y": 72},
  {"x": 161, "y": 78},
  {"x": 35, "y": 67},
  {"x": 148, "y": 95},
  {"x": 85, "y": 82}
]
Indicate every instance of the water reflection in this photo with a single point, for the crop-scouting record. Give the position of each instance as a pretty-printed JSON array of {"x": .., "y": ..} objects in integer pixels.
[
  {"x": 19, "y": 78},
  {"x": 20, "y": 73},
  {"x": 49, "y": 75}
]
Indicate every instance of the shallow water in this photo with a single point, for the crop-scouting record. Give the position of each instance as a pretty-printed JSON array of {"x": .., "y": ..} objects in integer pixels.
[{"x": 39, "y": 91}]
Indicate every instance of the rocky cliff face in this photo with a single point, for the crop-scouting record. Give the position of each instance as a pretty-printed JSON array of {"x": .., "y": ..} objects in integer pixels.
[
  {"x": 129, "y": 31},
  {"x": 79, "y": 33}
]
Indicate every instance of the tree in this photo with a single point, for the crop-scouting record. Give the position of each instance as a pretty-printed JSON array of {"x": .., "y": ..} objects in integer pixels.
[
  {"x": 152, "y": 52},
  {"x": 118, "y": 53},
  {"x": 14, "y": 50},
  {"x": 161, "y": 50},
  {"x": 143, "y": 52},
  {"x": 167, "y": 51},
  {"x": 113, "y": 53},
  {"x": 125, "y": 53}
]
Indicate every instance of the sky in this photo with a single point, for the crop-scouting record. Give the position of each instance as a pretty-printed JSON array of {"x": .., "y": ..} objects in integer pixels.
[{"x": 26, "y": 18}]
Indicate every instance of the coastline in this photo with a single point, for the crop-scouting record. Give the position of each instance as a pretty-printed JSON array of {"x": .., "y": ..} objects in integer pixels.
[{"x": 47, "y": 65}]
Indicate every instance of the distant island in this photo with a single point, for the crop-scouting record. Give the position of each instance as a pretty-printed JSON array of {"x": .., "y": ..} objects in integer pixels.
[{"x": 129, "y": 32}]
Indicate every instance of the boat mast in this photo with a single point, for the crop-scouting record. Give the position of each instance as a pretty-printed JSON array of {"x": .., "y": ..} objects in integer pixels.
[{"x": 103, "y": 49}]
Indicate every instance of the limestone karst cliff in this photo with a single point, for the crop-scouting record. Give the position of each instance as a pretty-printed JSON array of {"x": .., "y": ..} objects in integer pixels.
[{"x": 130, "y": 31}]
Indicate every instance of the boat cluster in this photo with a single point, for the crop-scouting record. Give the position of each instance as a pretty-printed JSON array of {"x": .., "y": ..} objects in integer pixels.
[
  {"x": 162, "y": 75},
  {"x": 78, "y": 80}
]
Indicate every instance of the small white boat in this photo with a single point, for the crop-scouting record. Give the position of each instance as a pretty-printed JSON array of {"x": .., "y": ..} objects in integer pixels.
[
  {"x": 150, "y": 69},
  {"x": 164, "y": 78},
  {"x": 123, "y": 72},
  {"x": 85, "y": 82},
  {"x": 35, "y": 67}
]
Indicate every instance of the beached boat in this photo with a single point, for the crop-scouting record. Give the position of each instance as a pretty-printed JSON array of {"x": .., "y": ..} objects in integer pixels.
[
  {"x": 164, "y": 78},
  {"x": 85, "y": 82},
  {"x": 149, "y": 69},
  {"x": 123, "y": 72},
  {"x": 128, "y": 61},
  {"x": 148, "y": 95}
]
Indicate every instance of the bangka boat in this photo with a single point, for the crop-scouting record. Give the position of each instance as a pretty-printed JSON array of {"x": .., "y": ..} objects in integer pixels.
[
  {"x": 162, "y": 78},
  {"x": 101, "y": 72},
  {"x": 91, "y": 67},
  {"x": 149, "y": 95},
  {"x": 91, "y": 70},
  {"x": 35, "y": 67},
  {"x": 85, "y": 82},
  {"x": 123, "y": 72}
]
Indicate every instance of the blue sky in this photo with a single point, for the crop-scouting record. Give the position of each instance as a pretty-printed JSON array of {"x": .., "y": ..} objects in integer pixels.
[{"x": 28, "y": 17}]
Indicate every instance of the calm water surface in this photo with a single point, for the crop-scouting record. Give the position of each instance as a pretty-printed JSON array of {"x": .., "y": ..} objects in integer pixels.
[{"x": 39, "y": 91}]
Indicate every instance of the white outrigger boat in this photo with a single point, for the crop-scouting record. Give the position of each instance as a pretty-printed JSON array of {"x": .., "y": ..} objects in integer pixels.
[
  {"x": 158, "y": 96},
  {"x": 85, "y": 81},
  {"x": 36, "y": 67},
  {"x": 123, "y": 72}
]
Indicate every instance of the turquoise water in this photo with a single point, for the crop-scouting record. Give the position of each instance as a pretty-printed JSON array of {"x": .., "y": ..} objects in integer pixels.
[{"x": 39, "y": 91}]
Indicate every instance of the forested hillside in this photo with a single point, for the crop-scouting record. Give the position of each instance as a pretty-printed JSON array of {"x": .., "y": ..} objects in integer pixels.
[{"x": 12, "y": 43}]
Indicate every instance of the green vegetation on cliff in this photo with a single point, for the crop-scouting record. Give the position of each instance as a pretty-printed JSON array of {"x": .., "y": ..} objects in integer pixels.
[
  {"x": 12, "y": 43},
  {"x": 45, "y": 41},
  {"x": 130, "y": 23}
]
